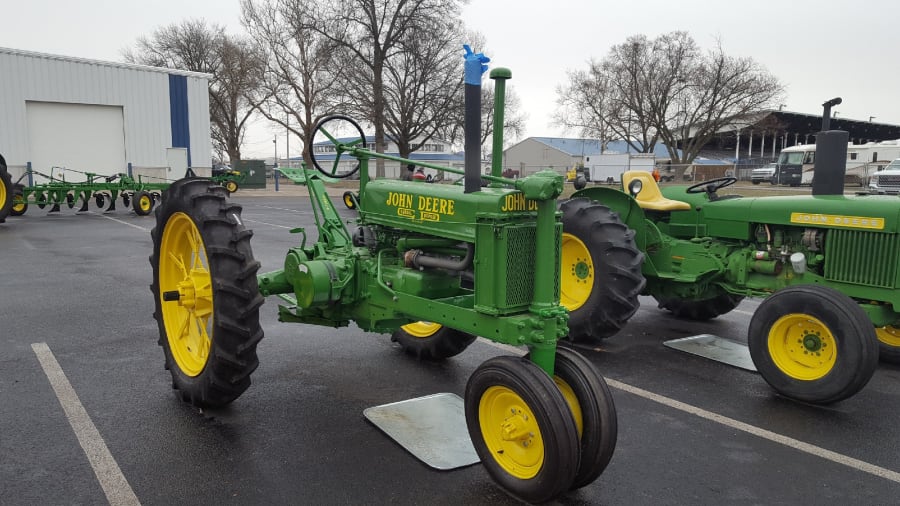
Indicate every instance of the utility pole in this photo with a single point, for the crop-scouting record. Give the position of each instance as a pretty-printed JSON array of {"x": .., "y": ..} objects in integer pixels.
[
  {"x": 275, "y": 141},
  {"x": 287, "y": 127}
]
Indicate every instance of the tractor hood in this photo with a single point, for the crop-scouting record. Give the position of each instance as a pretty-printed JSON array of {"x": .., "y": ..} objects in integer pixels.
[
  {"x": 733, "y": 217},
  {"x": 439, "y": 209}
]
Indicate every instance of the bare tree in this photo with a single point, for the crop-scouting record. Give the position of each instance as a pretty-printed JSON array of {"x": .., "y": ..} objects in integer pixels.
[
  {"x": 303, "y": 70},
  {"x": 234, "y": 64},
  {"x": 666, "y": 90},
  {"x": 373, "y": 31}
]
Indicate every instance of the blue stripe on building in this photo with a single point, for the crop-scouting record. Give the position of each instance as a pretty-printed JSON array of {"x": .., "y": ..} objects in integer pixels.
[{"x": 178, "y": 112}]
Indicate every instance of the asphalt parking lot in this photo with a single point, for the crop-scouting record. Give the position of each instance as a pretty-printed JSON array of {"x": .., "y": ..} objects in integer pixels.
[{"x": 74, "y": 292}]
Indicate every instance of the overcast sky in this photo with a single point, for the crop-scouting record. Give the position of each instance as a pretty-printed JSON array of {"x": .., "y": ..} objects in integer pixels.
[{"x": 818, "y": 49}]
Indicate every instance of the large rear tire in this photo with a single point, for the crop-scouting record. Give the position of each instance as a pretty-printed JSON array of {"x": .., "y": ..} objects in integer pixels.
[
  {"x": 600, "y": 273},
  {"x": 6, "y": 191},
  {"x": 700, "y": 310},
  {"x": 431, "y": 341},
  {"x": 813, "y": 343},
  {"x": 205, "y": 292}
]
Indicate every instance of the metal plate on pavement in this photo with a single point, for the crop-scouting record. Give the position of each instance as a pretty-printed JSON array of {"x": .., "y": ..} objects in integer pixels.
[
  {"x": 715, "y": 348},
  {"x": 432, "y": 428}
]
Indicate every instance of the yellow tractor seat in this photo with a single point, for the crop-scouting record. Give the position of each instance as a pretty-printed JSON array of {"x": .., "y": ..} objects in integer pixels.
[{"x": 650, "y": 197}]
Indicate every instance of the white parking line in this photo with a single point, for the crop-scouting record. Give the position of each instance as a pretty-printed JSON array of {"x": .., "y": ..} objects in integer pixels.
[
  {"x": 122, "y": 222},
  {"x": 269, "y": 224},
  {"x": 835, "y": 457},
  {"x": 115, "y": 486}
]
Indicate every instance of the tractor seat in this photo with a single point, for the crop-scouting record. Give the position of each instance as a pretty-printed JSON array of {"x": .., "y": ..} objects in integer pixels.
[{"x": 650, "y": 197}]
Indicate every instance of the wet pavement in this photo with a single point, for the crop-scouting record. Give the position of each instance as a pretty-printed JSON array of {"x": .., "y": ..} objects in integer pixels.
[{"x": 691, "y": 431}]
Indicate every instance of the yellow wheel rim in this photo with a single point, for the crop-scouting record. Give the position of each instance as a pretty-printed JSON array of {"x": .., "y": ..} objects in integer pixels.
[
  {"x": 231, "y": 186},
  {"x": 422, "y": 329},
  {"x": 18, "y": 204},
  {"x": 576, "y": 273},
  {"x": 2, "y": 192},
  {"x": 572, "y": 401},
  {"x": 802, "y": 346},
  {"x": 510, "y": 432},
  {"x": 184, "y": 268},
  {"x": 145, "y": 202},
  {"x": 889, "y": 335},
  {"x": 348, "y": 201}
]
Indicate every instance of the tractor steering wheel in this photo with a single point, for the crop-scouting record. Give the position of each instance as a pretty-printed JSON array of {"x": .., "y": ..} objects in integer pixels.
[
  {"x": 711, "y": 186},
  {"x": 341, "y": 146}
]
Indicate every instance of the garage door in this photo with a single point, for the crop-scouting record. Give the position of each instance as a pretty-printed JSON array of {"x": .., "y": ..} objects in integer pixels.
[{"x": 88, "y": 138}]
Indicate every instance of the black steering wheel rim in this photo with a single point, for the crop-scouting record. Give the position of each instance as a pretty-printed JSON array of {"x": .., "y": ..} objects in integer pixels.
[
  {"x": 711, "y": 186},
  {"x": 321, "y": 126}
]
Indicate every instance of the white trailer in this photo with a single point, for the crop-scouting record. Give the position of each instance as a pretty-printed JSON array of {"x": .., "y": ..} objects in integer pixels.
[
  {"x": 863, "y": 160},
  {"x": 608, "y": 167}
]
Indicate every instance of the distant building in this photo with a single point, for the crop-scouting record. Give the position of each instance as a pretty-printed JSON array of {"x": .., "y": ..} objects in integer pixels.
[
  {"x": 560, "y": 154},
  {"x": 435, "y": 152},
  {"x": 102, "y": 117}
]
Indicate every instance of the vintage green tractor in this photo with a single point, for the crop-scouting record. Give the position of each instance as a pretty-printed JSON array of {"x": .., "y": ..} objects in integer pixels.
[
  {"x": 444, "y": 263},
  {"x": 827, "y": 266}
]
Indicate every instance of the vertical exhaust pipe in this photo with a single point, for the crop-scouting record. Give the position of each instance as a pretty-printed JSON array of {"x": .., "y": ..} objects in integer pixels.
[
  {"x": 475, "y": 65},
  {"x": 831, "y": 155}
]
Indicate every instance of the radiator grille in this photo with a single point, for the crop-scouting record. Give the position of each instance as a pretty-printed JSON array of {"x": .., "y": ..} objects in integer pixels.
[
  {"x": 519, "y": 270},
  {"x": 862, "y": 258}
]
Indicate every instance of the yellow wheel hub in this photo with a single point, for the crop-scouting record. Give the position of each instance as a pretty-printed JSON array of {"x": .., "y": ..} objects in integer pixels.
[
  {"x": 2, "y": 192},
  {"x": 802, "y": 346},
  {"x": 348, "y": 201},
  {"x": 576, "y": 273},
  {"x": 511, "y": 433},
  {"x": 18, "y": 203},
  {"x": 184, "y": 270},
  {"x": 889, "y": 335},
  {"x": 145, "y": 202},
  {"x": 422, "y": 329},
  {"x": 231, "y": 186}
]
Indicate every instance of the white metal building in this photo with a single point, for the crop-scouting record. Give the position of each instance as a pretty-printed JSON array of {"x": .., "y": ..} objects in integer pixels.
[{"x": 101, "y": 117}]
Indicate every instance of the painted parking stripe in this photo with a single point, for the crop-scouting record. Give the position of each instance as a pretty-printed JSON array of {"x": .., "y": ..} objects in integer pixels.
[
  {"x": 835, "y": 457},
  {"x": 269, "y": 224},
  {"x": 120, "y": 221},
  {"x": 112, "y": 481}
]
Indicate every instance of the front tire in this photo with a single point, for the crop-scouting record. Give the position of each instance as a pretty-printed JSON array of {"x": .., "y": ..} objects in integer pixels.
[
  {"x": 600, "y": 273},
  {"x": 522, "y": 428},
  {"x": 889, "y": 344},
  {"x": 813, "y": 344},
  {"x": 205, "y": 293},
  {"x": 431, "y": 341},
  {"x": 593, "y": 410}
]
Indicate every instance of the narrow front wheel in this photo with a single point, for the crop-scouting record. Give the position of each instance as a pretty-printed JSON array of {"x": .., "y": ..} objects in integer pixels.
[{"x": 522, "y": 428}]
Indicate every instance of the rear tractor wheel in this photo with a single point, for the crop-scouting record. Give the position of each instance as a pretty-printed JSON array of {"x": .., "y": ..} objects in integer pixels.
[
  {"x": 813, "y": 343},
  {"x": 600, "y": 272},
  {"x": 6, "y": 191},
  {"x": 205, "y": 293},
  {"x": 522, "y": 428},
  {"x": 431, "y": 341}
]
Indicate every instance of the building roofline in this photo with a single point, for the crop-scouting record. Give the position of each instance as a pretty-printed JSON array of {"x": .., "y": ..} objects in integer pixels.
[{"x": 128, "y": 66}]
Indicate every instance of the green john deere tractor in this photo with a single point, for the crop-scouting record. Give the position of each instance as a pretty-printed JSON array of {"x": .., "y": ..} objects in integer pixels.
[
  {"x": 827, "y": 265},
  {"x": 435, "y": 265}
]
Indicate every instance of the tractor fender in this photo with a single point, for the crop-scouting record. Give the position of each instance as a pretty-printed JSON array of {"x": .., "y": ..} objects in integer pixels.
[{"x": 628, "y": 209}]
